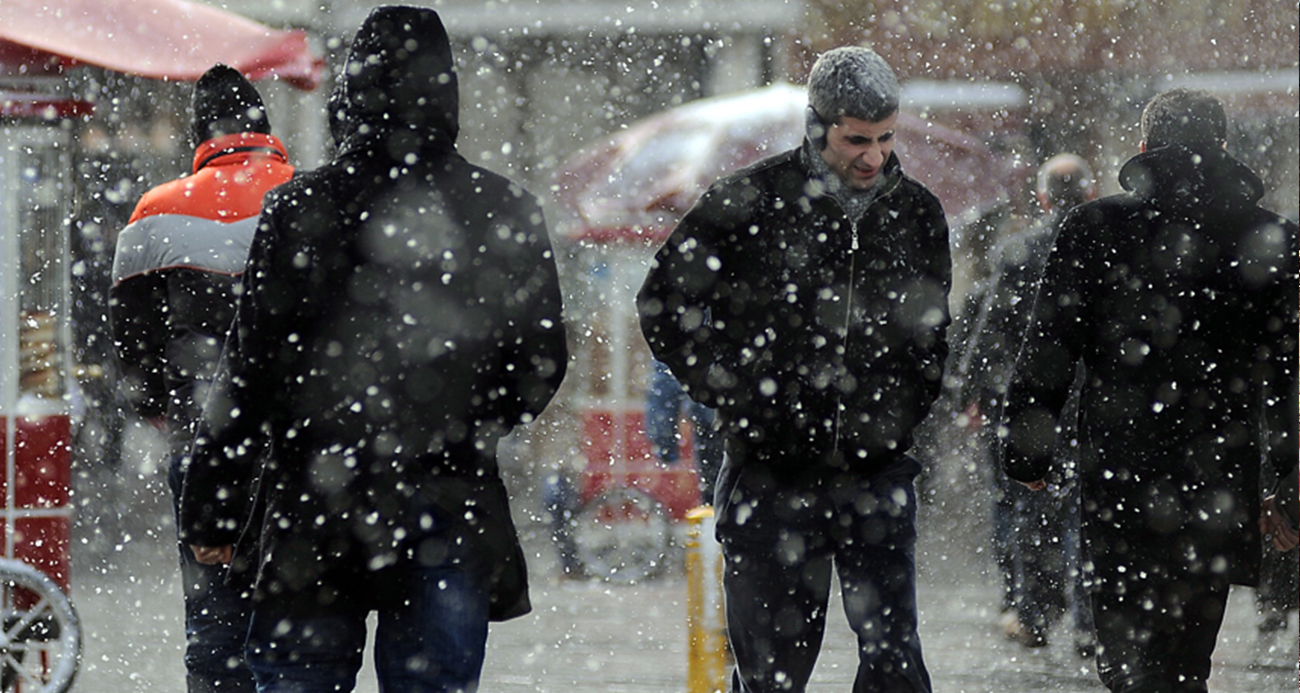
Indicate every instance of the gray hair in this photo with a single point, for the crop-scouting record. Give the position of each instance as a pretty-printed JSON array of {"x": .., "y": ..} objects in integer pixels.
[
  {"x": 1065, "y": 180},
  {"x": 854, "y": 82}
]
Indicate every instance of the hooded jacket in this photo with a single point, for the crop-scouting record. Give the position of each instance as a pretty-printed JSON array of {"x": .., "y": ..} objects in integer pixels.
[
  {"x": 811, "y": 332},
  {"x": 181, "y": 255},
  {"x": 402, "y": 314},
  {"x": 1179, "y": 299}
]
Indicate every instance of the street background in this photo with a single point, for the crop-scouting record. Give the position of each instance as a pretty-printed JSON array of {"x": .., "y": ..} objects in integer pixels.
[
  {"x": 596, "y": 637},
  {"x": 541, "y": 82}
]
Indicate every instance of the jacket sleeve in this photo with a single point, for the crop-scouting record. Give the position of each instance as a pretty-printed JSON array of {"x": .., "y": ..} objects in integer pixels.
[
  {"x": 674, "y": 301},
  {"x": 216, "y": 498},
  {"x": 138, "y": 319},
  {"x": 1286, "y": 498},
  {"x": 930, "y": 344},
  {"x": 1045, "y": 369},
  {"x": 1283, "y": 387},
  {"x": 535, "y": 351},
  {"x": 234, "y": 432}
]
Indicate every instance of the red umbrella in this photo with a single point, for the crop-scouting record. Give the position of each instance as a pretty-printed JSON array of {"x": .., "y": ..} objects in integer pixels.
[{"x": 639, "y": 182}]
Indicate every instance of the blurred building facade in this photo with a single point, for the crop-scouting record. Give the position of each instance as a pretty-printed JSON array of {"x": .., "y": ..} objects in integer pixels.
[
  {"x": 541, "y": 78},
  {"x": 1089, "y": 67}
]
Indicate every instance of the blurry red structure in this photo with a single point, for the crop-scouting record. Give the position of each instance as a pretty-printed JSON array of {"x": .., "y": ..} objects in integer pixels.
[
  {"x": 159, "y": 39},
  {"x": 35, "y": 413},
  {"x": 620, "y": 199}
]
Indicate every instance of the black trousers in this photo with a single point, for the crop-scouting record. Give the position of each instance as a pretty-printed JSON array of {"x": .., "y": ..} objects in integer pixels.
[
  {"x": 781, "y": 541},
  {"x": 1156, "y": 627}
]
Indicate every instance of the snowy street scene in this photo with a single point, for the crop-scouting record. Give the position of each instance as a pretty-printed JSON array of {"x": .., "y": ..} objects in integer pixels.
[{"x": 705, "y": 346}]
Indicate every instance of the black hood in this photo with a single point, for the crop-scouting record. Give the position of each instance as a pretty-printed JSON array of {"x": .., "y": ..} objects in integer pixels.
[
  {"x": 1177, "y": 177},
  {"x": 398, "y": 86},
  {"x": 225, "y": 103}
]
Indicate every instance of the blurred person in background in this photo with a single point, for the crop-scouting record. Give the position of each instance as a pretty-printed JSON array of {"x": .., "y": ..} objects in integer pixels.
[
  {"x": 666, "y": 402},
  {"x": 401, "y": 316},
  {"x": 175, "y": 272},
  {"x": 1276, "y": 597},
  {"x": 1178, "y": 300},
  {"x": 806, "y": 299},
  {"x": 1036, "y": 535}
]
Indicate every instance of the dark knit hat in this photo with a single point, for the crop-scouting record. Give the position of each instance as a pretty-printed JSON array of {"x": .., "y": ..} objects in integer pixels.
[{"x": 225, "y": 103}]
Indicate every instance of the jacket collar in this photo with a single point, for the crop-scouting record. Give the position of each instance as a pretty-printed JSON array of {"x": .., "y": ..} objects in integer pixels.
[
  {"x": 1179, "y": 177},
  {"x": 238, "y": 148},
  {"x": 815, "y": 170}
]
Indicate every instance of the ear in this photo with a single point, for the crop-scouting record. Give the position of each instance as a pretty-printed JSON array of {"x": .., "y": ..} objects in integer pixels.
[{"x": 1142, "y": 147}]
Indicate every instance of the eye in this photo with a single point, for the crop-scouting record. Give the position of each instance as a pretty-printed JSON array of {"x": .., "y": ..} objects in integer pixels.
[{"x": 887, "y": 137}]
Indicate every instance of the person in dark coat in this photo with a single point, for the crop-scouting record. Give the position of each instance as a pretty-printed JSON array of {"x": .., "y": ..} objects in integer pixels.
[
  {"x": 806, "y": 299},
  {"x": 175, "y": 274},
  {"x": 1178, "y": 298},
  {"x": 402, "y": 315},
  {"x": 1035, "y": 534}
]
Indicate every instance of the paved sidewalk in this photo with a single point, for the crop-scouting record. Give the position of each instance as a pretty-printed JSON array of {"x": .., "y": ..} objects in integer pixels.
[{"x": 594, "y": 637}]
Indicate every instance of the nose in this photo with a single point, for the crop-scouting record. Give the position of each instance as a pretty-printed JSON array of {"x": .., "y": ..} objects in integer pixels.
[{"x": 873, "y": 156}]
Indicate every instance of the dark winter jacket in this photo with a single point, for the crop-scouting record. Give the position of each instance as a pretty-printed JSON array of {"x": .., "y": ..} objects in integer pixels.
[
  {"x": 1179, "y": 298},
  {"x": 810, "y": 332},
  {"x": 402, "y": 314},
  {"x": 175, "y": 269}
]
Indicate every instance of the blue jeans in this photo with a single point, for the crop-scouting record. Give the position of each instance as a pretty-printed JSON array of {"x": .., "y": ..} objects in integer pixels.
[
  {"x": 561, "y": 502},
  {"x": 216, "y": 618},
  {"x": 781, "y": 542},
  {"x": 434, "y": 642},
  {"x": 665, "y": 400}
]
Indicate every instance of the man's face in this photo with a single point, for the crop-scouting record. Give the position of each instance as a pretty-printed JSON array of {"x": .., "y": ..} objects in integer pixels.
[{"x": 856, "y": 150}]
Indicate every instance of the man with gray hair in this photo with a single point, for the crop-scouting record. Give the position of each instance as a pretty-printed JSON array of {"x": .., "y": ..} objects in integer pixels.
[
  {"x": 1042, "y": 576},
  {"x": 806, "y": 299}
]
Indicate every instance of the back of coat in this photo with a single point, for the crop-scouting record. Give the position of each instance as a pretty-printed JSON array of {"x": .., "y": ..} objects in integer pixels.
[
  {"x": 1180, "y": 299},
  {"x": 402, "y": 314}
]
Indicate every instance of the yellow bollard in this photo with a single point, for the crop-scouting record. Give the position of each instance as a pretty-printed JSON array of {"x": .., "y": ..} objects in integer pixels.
[{"x": 708, "y": 654}]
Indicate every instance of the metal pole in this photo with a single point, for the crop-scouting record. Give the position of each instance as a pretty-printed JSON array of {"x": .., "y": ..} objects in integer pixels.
[{"x": 707, "y": 651}]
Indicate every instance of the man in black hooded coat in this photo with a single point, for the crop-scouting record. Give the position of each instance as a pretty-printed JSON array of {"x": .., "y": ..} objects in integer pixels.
[
  {"x": 1178, "y": 297},
  {"x": 402, "y": 314}
]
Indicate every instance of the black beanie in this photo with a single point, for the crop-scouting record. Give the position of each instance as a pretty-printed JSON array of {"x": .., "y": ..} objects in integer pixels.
[{"x": 226, "y": 103}]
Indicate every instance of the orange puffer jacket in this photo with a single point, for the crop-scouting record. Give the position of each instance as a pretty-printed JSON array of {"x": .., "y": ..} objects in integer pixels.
[{"x": 175, "y": 272}]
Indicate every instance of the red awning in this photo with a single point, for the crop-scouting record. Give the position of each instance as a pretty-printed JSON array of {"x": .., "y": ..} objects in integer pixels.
[{"x": 160, "y": 39}]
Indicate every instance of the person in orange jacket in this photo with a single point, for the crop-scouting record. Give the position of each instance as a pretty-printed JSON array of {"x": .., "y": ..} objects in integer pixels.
[{"x": 175, "y": 273}]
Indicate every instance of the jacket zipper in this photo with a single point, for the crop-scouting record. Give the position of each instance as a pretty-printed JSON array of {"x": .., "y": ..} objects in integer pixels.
[
  {"x": 848, "y": 306},
  {"x": 848, "y": 318}
]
